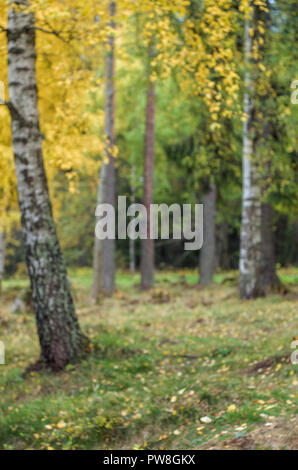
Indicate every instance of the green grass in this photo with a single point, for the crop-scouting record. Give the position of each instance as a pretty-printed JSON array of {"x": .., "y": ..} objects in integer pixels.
[{"x": 156, "y": 369}]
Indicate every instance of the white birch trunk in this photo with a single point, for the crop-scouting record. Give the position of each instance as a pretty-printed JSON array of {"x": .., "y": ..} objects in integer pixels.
[
  {"x": 250, "y": 243},
  {"x": 59, "y": 332}
]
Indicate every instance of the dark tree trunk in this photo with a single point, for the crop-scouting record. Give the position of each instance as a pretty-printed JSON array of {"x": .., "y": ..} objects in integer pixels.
[
  {"x": 59, "y": 333},
  {"x": 207, "y": 260},
  {"x": 269, "y": 278},
  {"x": 104, "y": 250},
  {"x": 108, "y": 258},
  {"x": 147, "y": 246},
  {"x": 222, "y": 246},
  {"x": 132, "y": 245},
  {"x": 98, "y": 244}
]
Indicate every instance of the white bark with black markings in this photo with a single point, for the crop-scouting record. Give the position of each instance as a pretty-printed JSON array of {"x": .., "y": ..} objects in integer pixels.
[
  {"x": 59, "y": 332},
  {"x": 250, "y": 243}
]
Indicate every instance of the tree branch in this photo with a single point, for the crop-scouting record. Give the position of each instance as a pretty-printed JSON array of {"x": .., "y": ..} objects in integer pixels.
[
  {"x": 17, "y": 116},
  {"x": 54, "y": 32}
]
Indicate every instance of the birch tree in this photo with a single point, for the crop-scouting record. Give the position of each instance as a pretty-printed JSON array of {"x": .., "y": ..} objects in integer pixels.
[
  {"x": 59, "y": 333},
  {"x": 250, "y": 239}
]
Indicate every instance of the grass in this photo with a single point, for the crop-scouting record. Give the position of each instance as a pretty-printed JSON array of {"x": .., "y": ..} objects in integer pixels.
[{"x": 160, "y": 362}]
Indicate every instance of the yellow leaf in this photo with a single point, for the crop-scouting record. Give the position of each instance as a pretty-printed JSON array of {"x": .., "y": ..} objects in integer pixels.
[
  {"x": 231, "y": 408},
  {"x": 61, "y": 425}
]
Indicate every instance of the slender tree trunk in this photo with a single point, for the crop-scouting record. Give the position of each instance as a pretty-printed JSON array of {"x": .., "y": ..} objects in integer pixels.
[
  {"x": 2, "y": 257},
  {"x": 98, "y": 244},
  {"x": 132, "y": 255},
  {"x": 147, "y": 246},
  {"x": 250, "y": 242},
  {"x": 269, "y": 278},
  {"x": 207, "y": 260},
  {"x": 293, "y": 258},
  {"x": 104, "y": 251},
  {"x": 222, "y": 246},
  {"x": 59, "y": 333}
]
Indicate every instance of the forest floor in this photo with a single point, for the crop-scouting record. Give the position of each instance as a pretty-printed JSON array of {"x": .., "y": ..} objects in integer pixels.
[{"x": 178, "y": 367}]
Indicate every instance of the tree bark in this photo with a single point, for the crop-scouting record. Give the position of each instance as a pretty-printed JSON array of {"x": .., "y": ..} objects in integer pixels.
[
  {"x": 2, "y": 257},
  {"x": 207, "y": 260},
  {"x": 59, "y": 333},
  {"x": 147, "y": 246},
  {"x": 132, "y": 254},
  {"x": 98, "y": 244},
  {"x": 222, "y": 246},
  {"x": 269, "y": 278},
  {"x": 250, "y": 241},
  {"x": 104, "y": 250}
]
